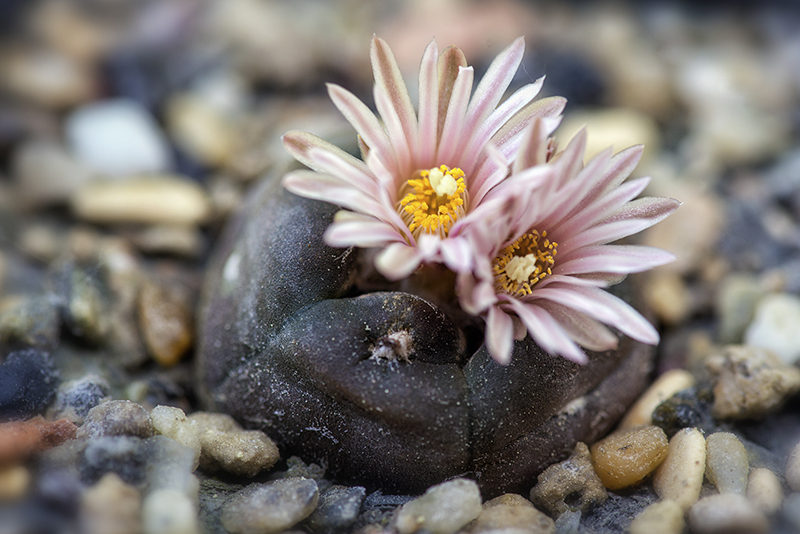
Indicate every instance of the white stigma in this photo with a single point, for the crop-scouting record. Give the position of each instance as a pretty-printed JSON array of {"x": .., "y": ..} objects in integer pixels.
[
  {"x": 519, "y": 268},
  {"x": 443, "y": 184}
]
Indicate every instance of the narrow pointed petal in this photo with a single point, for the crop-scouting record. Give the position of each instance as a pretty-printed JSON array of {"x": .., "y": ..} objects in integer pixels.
[
  {"x": 622, "y": 259},
  {"x": 547, "y": 332},
  {"x": 474, "y": 296},
  {"x": 499, "y": 335},
  {"x": 566, "y": 296},
  {"x": 428, "y": 106},
  {"x": 584, "y": 330},
  {"x": 298, "y": 144},
  {"x": 450, "y": 62},
  {"x": 328, "y": 188},
  {"x": 629, "y": 321},
  {"x": 398, "y": 261},
  {"x": 361, "y": 234},
  {"x": 533, "y": 147},
  {"x": 355, "y": 176},
  {"x": 365, "y": 123},
  {"x": 457, "y": 254},
  {"x": 453, "y": 124},
  {"x": 397, "y": 136}
]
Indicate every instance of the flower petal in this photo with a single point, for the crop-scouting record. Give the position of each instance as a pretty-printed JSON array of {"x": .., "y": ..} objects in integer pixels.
[
  {"x": 428, "y": 107},
  {"x": 361, "y": 233},
  {"x": 450, "y": 62},
  {"x": 547, "y": 332},
  {"x": 398, "y": 261},
  {"x": 613, "y": 259},
  {"x": 453, "y": 123},
  {"x": 499, "y": 335},
  {"x": 584, "y": 330},
  {"x": 298, "y": 144},
  {"x": 457, "y": 254},
  {"x": 628, "y": 321},
  {"x": 317, "y": 186}
]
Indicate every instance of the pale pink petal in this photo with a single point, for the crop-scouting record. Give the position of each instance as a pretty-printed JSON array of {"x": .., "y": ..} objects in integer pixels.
[
  {"x": 566, "y": 295},
  {"x": 401, "y": 145},
  {"x": 533, "y": 146},
  {"x": 499, "y": 335},
  {"x": 365, "y": 123},
  {"x": 612, "y": 259},
  {"x": 398, "y": 261},
  {"x": 355, "y": 176},
  {"x": 396, "y": 108},
  {"x": 474, "y": 296},
  {"x": 574, "y": 280},
  {"x": 361, "y": 234},
  {"x": 331, "y": 189},
  {"x": 629, "y": 321},
  {"x": 450, "y": 62},
  {"x": 453, "y": 123},
  {"x": 428, "y": 106},
  {"x": 457, "y": 254},
  {"x": 298, "y": 144},
  {"x": 547, "y": 332},
  {"x": 584, "y": 330}
]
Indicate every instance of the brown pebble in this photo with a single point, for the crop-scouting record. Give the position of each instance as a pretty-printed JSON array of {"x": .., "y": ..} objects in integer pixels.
[
  {"x": 625, "y": 458},
  {"x": 20, "y": 439},
  {"x": 166, "y": 323}
]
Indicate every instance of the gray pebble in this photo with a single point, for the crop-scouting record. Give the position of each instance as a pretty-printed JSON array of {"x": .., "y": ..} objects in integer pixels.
[
  {"x": 170, "y": 466},
  {"x": 338, "y": 508},
  {"x": 169, "y": 511},
  {"x": 271, "y": 507},
  {"x": 126, "y": 456},
  {"x": 443, "y": 509},
  {"x": 791, "y": 509},
  {"x": 573, "y": 476},
  {"x": 728, "y": 513},
  {"x": 727, "y": 465},
  {"x": 31, "y": 323},
  {"x": 117, "y": 418},
  {"x": 75, "y": 398},
  {"x": 793, "y": 468}
]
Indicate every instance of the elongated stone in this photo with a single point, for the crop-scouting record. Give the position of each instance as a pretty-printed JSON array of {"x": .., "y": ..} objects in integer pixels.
[
  {"x": 680, "y": 476},
  {"x": 626, "y": 457}
]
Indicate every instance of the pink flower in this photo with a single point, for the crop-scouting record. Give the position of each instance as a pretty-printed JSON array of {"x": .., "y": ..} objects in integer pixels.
[
  {"x": 424, "y": 173},
  {"x": 543, "y": 259}
]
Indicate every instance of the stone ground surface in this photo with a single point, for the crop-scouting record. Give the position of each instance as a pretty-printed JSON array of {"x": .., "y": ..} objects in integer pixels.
[{"x": 131, "y": 131}]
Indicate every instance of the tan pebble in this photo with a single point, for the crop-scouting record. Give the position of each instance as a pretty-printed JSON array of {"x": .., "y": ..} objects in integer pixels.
[
  {"x": 143, "y": 200},
  {"x": 511, "y": 513},
  {"x": 575, "y": 476},
  {"x": 166, "y": 323},
  {"x": 668, "y": 296},
  {"x": 199, "y": 129},
  {"x": 14, "y": 482},
  {"x": 764, "y": 490},
  {"x": 727, "y": 513},
  {"x": 663, "y": 517},
  {"x": 624, "y": 458},
  {"x": 793, "y": 469},
  {"x": 224, "y": 445},
  {"x": 111, "y": 507},
  {"x": 443, "y": 509},
  {"x": 667, "y": 385},
  {"x": 680, "y": 475},
  {"x": 727, "y": 465},
  {"x": 173, "y": 423}
]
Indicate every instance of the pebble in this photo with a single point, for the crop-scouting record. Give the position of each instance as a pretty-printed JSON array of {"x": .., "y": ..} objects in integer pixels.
[
  {"x": 117, "y": 418},
  {"x": 20, "y": 439},
  {"x": 569, "y": 522},
  {"x": 774, "y": 326},
  {"x": 618, "y": 128},
  {"x": 14, "y": 482},
  {"x": 83, "y": 307},
  {"x": 443, "y": 509},
  {"x": 111, "y": 507},
  {"x": 169, "y": 511},
  {"x": 569, "y": 485},
  {"x": 146, "y": 199},
  {"x": 735, "y": 305},
  {"x": 791, "y": 509},
  {"x": 28, "y": 382},
  {"x": 750, "y": 382},
  {"x": 624, "y": 458},
  {"x": 271, "y": 507},
  {"x": 30, "y": 322},
  {"x": 668, "y": 296},
  {"x": 117, "y": 137},
  {"x": 46, "y": 174},
  {"x": 184, "y": 241},
  {"x": 173, "y": 423},
  {"x": 727, "y": 513},
  {"x": 338, "y": 508},
  {"x": 727, "y": 465},
  {"x": 793, "y": 469},
  {"x": 201, "y": 130},
  {"x": 667, "y": 385},
  {"x": 224, "y": 445},
  {"x": 75, "y": 398},
  {"x": 663, "y": 517},
  {"x": 166, "y": 322},
  {"x": 680, "y": 476},
  {"x": 764, "y": 490},
  {"x": 512, "y": 514},
  {"x": 124, "y": 455},
  {"x": 170, "y": 466}
]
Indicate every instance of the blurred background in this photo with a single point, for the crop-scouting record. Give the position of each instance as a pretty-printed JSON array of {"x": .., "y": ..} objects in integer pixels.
[{"x": 137, "y": 127}]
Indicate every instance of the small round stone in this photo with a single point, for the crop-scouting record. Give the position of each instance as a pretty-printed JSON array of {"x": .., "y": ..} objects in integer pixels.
[
  {"x": 224, "y": 445},
  {"x": 111, "y": 507},
  {"x": 201, "y": 130},
  {"x": 774, "y": 326},
  {"x": 569, "y": 485},
  {"x": 173, "y": 423},
  {"x": 28, "y": 382},
  {"x": 338, "y": 508},
  {"x": 75, "y": 398},
  {"x": 663, "y": 517},
  {"x": 668, "y": 384},
  {"x": 728, "y": 513},
  {"x": 169, "y": 511},
  {"x": 511, "y": 513},
  {"x": 271, "y": 507},
  {"x": 443, "y": 509},
  {"x": 680, "y": 476},
  {"x": 117, "y": 418},
  {"x": 764, "y": 490},
  {"x": 727, "y": 465},
  {"x": 793, "y": 469},
  {"x": 624, "y": 458}
]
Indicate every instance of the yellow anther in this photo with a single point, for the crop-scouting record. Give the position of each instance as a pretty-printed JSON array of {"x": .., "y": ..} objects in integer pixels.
[
  {"x": 523, "y": 263},
  {"x": 433, "y": 201}
]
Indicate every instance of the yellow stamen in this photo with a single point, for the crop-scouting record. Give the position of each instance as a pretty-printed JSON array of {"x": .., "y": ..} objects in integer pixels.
[
  {"x": 434, "y": 201},
  {"x": 523, "y": 263}
]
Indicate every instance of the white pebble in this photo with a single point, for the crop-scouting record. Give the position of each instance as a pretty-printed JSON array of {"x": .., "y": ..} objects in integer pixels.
[
  {"x": 443, "y": 509},
  {"x": 774, "y": 326},
  {"x": 118, "y": 137},
  {"x": 668, "y": 384},
  {"x": 726, "y": 513},
  {"x": 173, "y": 423},
  {"x": 793, "y": 469},
  {"x": 154, "y": 199},
  {"x": 271, "y": 507},
  {"x": 727, "y": 465},
  {"x": 662, "y": 517},
  {"x": 680, "y": 476},
  {"x": 764, "y": 490},
  {"x": 169, "y": 511}
]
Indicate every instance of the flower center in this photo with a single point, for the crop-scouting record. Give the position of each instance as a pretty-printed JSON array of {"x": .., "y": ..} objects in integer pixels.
[
  {"x": 434, "y": 201},
  {"x": 524, "y": 262}
]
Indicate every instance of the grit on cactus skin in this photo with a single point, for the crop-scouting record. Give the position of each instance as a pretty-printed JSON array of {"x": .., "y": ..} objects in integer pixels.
[
  {"x": 542, "y": 262},
  {"x": 426, "y": 174}
]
